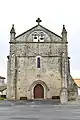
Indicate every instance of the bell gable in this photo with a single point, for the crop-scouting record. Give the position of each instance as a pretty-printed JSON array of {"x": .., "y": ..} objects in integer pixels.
[{"x": 38, "y": 34}]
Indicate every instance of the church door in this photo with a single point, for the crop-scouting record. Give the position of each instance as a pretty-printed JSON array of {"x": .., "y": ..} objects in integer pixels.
[{"x": 38, "y": 91}]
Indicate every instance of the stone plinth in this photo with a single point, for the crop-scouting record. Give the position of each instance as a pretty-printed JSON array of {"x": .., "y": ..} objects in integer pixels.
[{"x": 64, "y": 96}]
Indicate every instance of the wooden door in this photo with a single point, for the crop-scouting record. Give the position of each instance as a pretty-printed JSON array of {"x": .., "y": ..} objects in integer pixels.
[{"x": 38, "y": 91}]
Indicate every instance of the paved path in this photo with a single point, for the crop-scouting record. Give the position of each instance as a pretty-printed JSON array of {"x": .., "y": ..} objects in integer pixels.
[{"x": 21, "y": 110}]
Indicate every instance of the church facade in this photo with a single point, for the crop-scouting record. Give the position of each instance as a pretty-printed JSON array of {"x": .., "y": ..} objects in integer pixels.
[{"x": 38, "y": 65}]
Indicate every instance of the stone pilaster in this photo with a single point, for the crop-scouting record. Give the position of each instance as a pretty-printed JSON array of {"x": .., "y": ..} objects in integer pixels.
[
  {"x": 15, "y": 78},
  {"x": 11, "y": 70},
  {"x": 8, "y": 79},
  {"x": 11, "y": 78},
  {"x": 64, "y": 92}
]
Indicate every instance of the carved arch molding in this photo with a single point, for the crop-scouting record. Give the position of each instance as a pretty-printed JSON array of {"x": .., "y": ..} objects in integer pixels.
[{"x": 38, "y": 82}]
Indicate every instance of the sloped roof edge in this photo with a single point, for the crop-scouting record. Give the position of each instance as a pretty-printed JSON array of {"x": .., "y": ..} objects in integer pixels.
[
  {"x": 35, "y": 27},
  {"x": 77, "y": 79},
  {"x": 2, "y": 77}
]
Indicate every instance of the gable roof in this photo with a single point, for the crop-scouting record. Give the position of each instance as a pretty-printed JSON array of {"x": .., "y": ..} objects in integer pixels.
[{"x": 41, "y": 27}]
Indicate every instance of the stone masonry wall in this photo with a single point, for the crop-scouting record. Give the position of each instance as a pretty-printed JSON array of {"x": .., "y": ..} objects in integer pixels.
[{"x": 26, "y": 52}]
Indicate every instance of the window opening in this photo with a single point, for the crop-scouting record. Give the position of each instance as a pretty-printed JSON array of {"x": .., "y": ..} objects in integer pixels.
[
  {"x": 41, "y": 38},
  {"x": 35, "y": 37},
  {"x": 38, "y": 62}
]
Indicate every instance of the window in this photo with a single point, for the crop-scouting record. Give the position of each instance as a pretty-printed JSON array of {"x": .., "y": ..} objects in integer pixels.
[
  {"x": 38, "y": 62},
  {"x": 41, "y": 37},
  {"x": 35, "y": 37},
  {"x": 38, "y": 36}
]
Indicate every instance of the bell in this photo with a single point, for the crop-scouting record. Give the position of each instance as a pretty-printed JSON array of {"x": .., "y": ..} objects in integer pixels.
[
  {"x": 41, "y": 38},
  {"x": 35, "y": 37}
]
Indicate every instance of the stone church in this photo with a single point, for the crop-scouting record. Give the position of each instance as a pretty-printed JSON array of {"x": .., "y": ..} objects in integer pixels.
[{"x": 38, "y": 65}]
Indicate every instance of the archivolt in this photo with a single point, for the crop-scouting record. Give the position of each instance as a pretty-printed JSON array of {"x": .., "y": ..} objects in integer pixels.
[{"x": 38, "y": 82}]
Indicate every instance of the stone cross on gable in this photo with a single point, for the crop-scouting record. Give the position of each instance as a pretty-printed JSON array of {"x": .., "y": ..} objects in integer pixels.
[{"x": 38, "y": 21}]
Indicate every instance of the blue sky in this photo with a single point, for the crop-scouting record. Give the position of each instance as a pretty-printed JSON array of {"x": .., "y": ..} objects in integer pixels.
[{"x": 54, "y": 13}]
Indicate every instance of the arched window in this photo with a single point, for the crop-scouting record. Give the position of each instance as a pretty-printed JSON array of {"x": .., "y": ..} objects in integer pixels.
[
  {"x": 38, "y": 62},
  {"x": 35, "y": 37},
  {"x": 41, "y": 37},
  {"x": 38, "y": 36}
]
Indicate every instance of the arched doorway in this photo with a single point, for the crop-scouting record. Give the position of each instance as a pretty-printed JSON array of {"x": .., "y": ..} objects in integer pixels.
[{"x": 38, "y": 91}]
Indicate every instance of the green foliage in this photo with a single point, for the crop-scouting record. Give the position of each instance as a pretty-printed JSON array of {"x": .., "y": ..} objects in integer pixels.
[{"x": 1, "y": 98}]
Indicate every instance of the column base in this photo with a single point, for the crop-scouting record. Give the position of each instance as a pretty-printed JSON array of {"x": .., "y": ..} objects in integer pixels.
[{"x": 64, "y": 96}]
